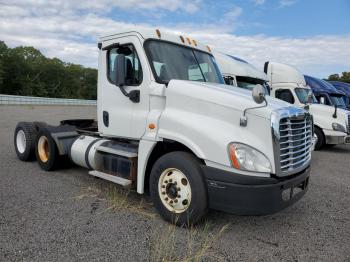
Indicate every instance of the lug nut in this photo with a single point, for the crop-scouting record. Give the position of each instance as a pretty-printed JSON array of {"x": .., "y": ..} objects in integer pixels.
[
  {"x": 166, "y": 199},
  {"x": 170, "y": 180},
  {"x": 178, "y": 189},
  {"x": 166, "y": 181},
  {"x": 163, "y": 186},
  {"x": 163, "y": 193},
  {"x": 178, "y": 196},
  {"x": 171, "y": 201},
  {"x": 175, "y": 200}
]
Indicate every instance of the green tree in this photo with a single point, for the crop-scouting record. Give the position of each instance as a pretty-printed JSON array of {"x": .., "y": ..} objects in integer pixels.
[{"x": 26, "y": 71}]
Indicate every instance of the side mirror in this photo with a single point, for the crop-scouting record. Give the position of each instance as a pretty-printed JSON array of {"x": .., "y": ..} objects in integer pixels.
[
  {"x": 322, "y": 101},
  {"x": 228, "y": 80},
  {"x": 120, "y": 73},
  {"x": 258, "y": 94}
]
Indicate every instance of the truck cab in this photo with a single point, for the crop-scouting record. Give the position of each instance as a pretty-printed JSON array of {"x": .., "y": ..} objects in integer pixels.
[
  {"x": 344, "y": 87},
  {"x": 288, "y": 84},
  {"x": 325, "y": 92},
  {"x": 168, "y": 125}
]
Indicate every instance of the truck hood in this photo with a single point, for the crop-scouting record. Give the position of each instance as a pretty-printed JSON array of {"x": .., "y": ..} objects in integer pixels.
[
  {"x": 323, "y": 116},
  {"x": 224, "y": 95}
]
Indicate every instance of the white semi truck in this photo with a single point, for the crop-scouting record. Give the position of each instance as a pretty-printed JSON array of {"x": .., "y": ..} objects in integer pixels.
[
  {"x": 166, "y": 123},
  {"x": 288, "y": 84}
]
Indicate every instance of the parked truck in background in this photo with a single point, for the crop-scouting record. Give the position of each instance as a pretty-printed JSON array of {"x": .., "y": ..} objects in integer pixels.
[
  {"x": 288, "y": 84},
  {"x": 166, "y": 123},
  {"x": 344, "y": 87},
  {"x": 325, "y": 92}
]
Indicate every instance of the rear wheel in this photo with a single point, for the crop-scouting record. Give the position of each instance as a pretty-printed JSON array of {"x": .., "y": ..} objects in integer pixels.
[
  {"x": 24, "y": 141},
  {"x": 320, "y": 138},
  {"x": 178, "y": 189},
  {"x": 46, "y": 151}
]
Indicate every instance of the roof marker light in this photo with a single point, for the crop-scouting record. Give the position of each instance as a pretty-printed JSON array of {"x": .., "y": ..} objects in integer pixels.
[
  {"x": 182, "y": 39},
  {"x": 158, "y": 33},
  {"x": 208, "y": 48},
  {"x": 188, "y": 40},
  {"x": 194, "y": 42}
]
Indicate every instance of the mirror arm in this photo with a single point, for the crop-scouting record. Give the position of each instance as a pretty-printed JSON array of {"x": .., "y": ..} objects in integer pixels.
[
  {"x": 133, "y": 95},
  {"x": 335, "y": 111},
  {"x": 243, "y": 121}
]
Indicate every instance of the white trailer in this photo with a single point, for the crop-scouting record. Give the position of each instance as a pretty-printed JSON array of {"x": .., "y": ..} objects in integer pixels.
[
  {"x": 288, "y": 84},
  {"x": 166, "y": 123}
]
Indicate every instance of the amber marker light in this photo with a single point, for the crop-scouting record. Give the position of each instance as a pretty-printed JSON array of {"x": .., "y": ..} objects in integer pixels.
[
  {"x": 194, "y": 42},
  {"x": 158, "y": 33},
  {"x": 182, "y": 39},
  {"x": 188, "y": 40},
  {"x": 233, "y": 157},
  {"x": 208, "y": 48},
  {"x": 151, "y": 126}
]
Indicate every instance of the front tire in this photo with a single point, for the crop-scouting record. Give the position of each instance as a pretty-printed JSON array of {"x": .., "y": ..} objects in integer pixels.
[
  {"x": 178, "y": 189},
  {"x": 320, "y": 139}
]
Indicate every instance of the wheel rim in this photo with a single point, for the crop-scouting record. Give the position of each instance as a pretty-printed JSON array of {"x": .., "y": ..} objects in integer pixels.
[
  {"x": 174, "y": 190},
  {"x": 21, "y": 141},
  {"x": 43, "y": 149}
]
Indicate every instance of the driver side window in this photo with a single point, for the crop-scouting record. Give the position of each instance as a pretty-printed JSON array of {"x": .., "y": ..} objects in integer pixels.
[
  {"x": 133, "y": 67},
  {"x": 285, "y": 95}
]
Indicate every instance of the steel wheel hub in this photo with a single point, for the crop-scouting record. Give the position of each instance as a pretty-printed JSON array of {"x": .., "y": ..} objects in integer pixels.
[
  {"x": 174, "y": 190},
  {"x": 21, "y": 141}
]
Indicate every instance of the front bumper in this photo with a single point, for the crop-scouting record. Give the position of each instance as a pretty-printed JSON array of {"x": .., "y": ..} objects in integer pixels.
[
  {"x": 248, "y": 195},
  {"x": 338, "y": 140}
]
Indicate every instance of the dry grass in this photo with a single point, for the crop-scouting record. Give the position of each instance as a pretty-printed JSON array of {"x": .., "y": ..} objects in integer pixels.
[
  {"x": 191, "y": 244},
  {"x": 118, "y": 199}
]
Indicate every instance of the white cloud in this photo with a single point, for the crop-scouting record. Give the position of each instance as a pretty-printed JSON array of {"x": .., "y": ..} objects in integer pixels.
[
  {"x": 71, "y": 36},
  {"x": 285, "y": 3},
  {"x": 259, "y": 2}
]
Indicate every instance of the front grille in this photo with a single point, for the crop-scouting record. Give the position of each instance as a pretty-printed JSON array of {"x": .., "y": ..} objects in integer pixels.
[{"x": 295, "y": 138}]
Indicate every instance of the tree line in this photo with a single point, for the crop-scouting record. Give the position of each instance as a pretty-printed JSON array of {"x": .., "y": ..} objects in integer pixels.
[
  {"x": 343, "y": 77},
  {"x": 26, "y": 71}
]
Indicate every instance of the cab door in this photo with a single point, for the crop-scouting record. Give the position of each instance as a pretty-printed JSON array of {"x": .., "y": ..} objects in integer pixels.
[{"x": 118, "y": 115}]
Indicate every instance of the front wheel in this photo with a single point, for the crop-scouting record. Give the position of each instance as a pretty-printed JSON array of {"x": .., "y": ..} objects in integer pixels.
[
  {"x": 320, "y": 139},
  {"x": 178, "y": 189}
]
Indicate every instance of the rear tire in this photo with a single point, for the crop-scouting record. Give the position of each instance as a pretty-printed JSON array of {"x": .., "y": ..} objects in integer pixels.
[
  {"x": 24, "y": 141},
  {"x": 46, "y": 151},
  {"x": 174, "y": 171},
  {"x": 320, "y": 139}
]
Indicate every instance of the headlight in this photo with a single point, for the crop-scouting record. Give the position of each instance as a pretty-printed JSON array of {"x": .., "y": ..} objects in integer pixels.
[
  {"x": 338, "y": 127},
  {"x": 244, "y": 157}
]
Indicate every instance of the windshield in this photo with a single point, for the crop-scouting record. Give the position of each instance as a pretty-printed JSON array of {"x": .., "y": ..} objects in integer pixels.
[
  {"x": 303, "y": 93},
  {"x": 172, "y": 61},
  {"x": 250, "y": 82},
  {"x": 337, "y": 100}
]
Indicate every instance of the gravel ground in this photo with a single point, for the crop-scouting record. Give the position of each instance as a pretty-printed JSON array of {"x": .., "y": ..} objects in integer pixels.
[{"x": 69, "y": 216}]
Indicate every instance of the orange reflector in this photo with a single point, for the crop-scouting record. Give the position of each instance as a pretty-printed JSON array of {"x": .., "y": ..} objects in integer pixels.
[
  {"x": 152, "y": 126},
  {"x": 188, "y": 40},
  {"x": 158, "y": 33},
  {"x": 194, "y": 42},
  {"x": 233, "y": 157},
  {"x": 208, "y": 48},
  {"x": 182, "y": 39}
]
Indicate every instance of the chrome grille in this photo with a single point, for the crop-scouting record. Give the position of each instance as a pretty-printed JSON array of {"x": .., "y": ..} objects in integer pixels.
[{"x": 295, "y": 138}]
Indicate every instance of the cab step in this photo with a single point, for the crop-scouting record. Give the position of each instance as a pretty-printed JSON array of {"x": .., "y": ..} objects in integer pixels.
[
  {"x": 117, "y": 151},
  {"x": 115, "y": 179}
]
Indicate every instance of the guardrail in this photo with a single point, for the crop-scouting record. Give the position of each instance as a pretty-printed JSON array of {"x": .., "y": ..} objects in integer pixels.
[{"x": 32, "y": 100}]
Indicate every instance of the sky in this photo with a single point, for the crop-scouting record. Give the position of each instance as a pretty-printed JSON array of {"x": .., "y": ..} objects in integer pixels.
[{"x": 313, "y": 36}]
